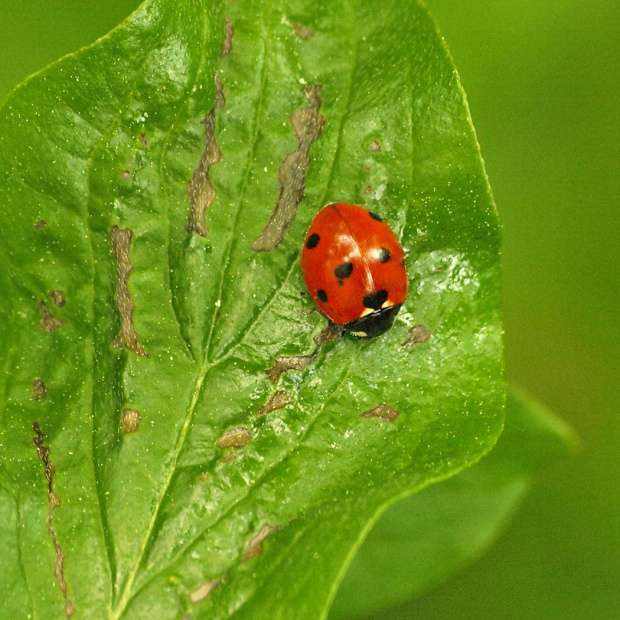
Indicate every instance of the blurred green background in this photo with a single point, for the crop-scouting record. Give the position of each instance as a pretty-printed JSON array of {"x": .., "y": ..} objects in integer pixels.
[{"x": 543, "y": 82}]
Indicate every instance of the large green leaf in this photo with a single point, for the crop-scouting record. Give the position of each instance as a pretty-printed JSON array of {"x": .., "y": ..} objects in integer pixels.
[
  {"x": 425, "y": 537},
  {"x": 140, "y": 468}
]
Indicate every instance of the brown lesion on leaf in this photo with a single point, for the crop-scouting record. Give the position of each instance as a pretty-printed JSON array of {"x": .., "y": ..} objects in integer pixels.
[
  {"x": 383, "y": 410},
  {"x": 303, "y": 32},
  {"x": 130, "y": 420},
  {"x": 308, "y": 125},
  {"x": 53, "y": 501},
  {"x": 49, "y": 322},
  {"x": 330, "y": 333},
  {"x": 418, "y": 334},
  {"x": 279, "y": 400},
  {"x": 299, "y": 362},
  {"x": 254, "y": 547},
  {"x": 200, "y": 191},
  {"x": 39, "y": 391},
  {"x": 58, "y": 298},
  {"x": 229, "y": 456},
  {"x": 289, "y": 362},
  {"x": 127, "y": 337},
  {"x": 367, "y": 191},
  {"x": 203, "y": 590},
  {"x": 40, "y": 224},
  {"x": 228, "y": 39},
  {"x": 237, "y": 437}
]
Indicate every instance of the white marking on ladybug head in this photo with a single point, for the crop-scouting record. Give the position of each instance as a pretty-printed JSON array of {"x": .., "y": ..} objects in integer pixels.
[{"x": 359, "y": 334}]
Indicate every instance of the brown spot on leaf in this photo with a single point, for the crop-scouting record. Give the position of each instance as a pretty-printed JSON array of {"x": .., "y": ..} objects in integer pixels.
[
  {"x": 329, "y": 334},
  {"x": 125, "y": 174},
  {"x": 130, "y": 420},
  {"x": 278, "y": 400},
  {"x": 40, "y": 224},
  {"x": 308, "y": 124},
  {"x": 58, "y": 298},
  {"x": 43, "y": 453},
  {"x": 203, "y": 477},
  {"x": 229, "y": 456},
  {"x": 303, "y": 31},
  {"x": 375, "y": 147},
  {"x": 53, "y": 501},
  {"x": 39, "y": 391},
  {"x": 418, "y": 334},
  {"x": 228, "y": 40},
  {"x": 203, "y": 590},
  {"x": 255, "y": 545},
  {"x": 49, "y": 322},
  {"x": 143, "y": 140},
  {"x": 127, "y": 337},
  {"x": 366, "y": 191},
  {"x": 299, "y": 362},
  {"x": 383, "y": 410},
  {"x": 200, "y": 190},
  {"x": 289, "y": 362},
  {"x": 234, "y": 438}
]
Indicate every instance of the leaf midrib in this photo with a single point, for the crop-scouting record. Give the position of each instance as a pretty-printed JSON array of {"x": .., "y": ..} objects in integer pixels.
[
  {"x": 208, "y": 366},
  {"x": 125, "y": 597}
]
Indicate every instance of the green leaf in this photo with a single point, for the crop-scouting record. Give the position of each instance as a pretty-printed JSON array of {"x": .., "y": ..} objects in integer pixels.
[
  {"x": 422, "y": 539},
  {"x": 142, "y": 474}
]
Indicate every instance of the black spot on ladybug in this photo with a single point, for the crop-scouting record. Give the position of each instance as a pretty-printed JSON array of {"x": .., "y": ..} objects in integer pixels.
[
  {"x": 322, "y": 295},
  {"x": 376, "y": 300},
  {"x": 344, "y": 270},
  {"x": 374, "y": 216},
  {"x": 313, "y": 241},
  {"x": 384, "y": 255}
]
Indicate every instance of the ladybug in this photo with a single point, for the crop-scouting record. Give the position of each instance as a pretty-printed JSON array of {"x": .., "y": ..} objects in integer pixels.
[{"x": 354, "y": 269}]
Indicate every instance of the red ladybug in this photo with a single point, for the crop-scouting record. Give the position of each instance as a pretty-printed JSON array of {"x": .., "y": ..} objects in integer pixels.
[{"x": 354, "y": 269}]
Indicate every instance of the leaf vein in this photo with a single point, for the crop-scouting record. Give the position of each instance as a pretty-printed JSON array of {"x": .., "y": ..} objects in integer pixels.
[
  {"x": 231, "y": 241},
  {"x": 104, "y": 137},
  {"x": 263, "y": 476},
  {"x": 328, "y": 183}
]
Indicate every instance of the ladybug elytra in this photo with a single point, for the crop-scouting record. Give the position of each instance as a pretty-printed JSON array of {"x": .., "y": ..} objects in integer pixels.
[{"x": 354, "y": 269}]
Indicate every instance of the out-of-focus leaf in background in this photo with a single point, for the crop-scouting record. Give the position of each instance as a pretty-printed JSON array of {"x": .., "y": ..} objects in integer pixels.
[{"x": 424, "y": 538}]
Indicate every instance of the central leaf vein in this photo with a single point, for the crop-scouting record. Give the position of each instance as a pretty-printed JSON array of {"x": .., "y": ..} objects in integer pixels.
[{"x": 206, "y": 366}]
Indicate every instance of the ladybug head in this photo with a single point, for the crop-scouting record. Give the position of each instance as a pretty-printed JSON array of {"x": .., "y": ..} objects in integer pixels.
[{"x": 373, "y": 324}]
